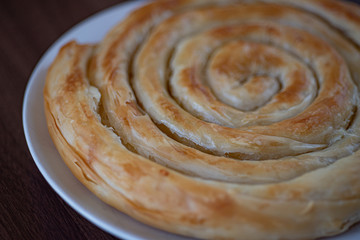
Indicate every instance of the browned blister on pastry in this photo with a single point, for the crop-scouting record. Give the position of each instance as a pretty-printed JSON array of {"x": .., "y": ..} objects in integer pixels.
[{"x": 218, "y": 119}]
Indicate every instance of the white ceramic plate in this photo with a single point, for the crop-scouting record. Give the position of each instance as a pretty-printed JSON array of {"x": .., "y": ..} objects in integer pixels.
[{"x": 49, "y": 161}]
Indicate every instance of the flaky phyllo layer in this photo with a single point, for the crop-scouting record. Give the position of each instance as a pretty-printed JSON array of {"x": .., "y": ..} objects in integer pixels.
[{"x": 218, "y": 119}]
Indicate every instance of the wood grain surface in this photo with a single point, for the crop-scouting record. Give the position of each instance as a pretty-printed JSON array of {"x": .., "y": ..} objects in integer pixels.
[{"x": 29, "y": 208}]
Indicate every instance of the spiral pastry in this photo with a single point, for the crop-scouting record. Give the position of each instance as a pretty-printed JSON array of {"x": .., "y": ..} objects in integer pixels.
[{"x": 228, "y": 119}]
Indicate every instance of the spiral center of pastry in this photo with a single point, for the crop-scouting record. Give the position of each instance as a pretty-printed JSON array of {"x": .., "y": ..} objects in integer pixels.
[{"x": 248, "y": 75}]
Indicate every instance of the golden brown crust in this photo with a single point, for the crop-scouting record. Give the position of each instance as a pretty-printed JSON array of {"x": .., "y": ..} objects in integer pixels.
[{"x": 154, "y": 120}]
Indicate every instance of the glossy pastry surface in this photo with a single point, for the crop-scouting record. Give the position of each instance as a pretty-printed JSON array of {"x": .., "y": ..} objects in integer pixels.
[{"x": 218, "y": 119}]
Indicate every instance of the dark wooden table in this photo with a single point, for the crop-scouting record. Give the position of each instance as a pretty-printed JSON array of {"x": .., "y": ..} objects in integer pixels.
[{"x": 29, "y": 208}]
